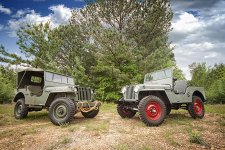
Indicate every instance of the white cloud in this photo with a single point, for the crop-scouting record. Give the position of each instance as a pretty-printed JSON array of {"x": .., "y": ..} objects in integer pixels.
[
  {"x": 31, "y": 18},
  {"x": 211, "y": 55},
  {"x": 5, "y": 10},
  {"x": 60, "y": 15},
  {"x": 186, "y": 23},
  {"x": 22, "y": 12},
  {"x": 198, "y": 33}
]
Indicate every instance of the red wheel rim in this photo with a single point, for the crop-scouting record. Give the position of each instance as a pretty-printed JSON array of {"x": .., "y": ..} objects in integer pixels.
[
  {"x": 153, "y": 110},
  {"x": 198, "y": 107}
]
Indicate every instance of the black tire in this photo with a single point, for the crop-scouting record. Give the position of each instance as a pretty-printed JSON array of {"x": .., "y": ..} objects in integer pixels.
[
  {"x": 168, "y": 109},
  {"x": 125, "y": 113},
  {"x": 61, "y": 111},
  {"x": 20, "y": 109},
  {"x": 152, "y": 110},
  {"x": 196, "y": 109},
  {"x": 90, "y": 114}
]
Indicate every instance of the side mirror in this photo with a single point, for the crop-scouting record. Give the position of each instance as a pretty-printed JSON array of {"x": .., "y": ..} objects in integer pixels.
[{"x": 174, "y": 79}]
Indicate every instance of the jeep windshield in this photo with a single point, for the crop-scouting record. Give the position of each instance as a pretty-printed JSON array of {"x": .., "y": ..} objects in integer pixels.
[
  {"x": 52, "y": 77},
  {"x": 159, "y": 75}
]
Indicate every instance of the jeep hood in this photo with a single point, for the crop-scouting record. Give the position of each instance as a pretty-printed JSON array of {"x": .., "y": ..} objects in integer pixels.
[
  {"x": 151, "y": 86},
  {"x": 61, "y": 89}
]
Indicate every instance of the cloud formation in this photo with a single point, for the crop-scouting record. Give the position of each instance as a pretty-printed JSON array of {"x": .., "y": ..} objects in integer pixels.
[
  {"x": 5, "y": 10},
  {"x": 198, "y": 33},
  {"x": 60, "y": 15}
]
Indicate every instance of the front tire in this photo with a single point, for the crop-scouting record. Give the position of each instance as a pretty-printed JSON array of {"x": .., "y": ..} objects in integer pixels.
[
  {"x": 125, "y": 113},
  {"x": 90, "y": 114},
  {"x": 196, "y": 109},
  {"x": 152, "y": 110},
  {"x": 61, "y": 111},
  {"x": 20, "y": 109}
]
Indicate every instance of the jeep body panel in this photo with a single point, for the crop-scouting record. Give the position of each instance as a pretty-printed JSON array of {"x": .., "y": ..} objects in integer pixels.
[
  {"x": 160, "y": 84},
  {"x": 51, "y": 86}
]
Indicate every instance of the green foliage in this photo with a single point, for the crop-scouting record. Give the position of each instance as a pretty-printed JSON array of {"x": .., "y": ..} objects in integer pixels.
[
  {"x": 7, "y": 80},
  {"x": 212, "y": 79},
  {"x": 177, "y": 73}
]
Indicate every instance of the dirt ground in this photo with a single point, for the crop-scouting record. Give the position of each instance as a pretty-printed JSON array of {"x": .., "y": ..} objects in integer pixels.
[{"x": 109, "y": 131}]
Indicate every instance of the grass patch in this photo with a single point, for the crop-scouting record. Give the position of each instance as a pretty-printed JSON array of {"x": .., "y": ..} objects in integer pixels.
[
  {"x": 108, "y": 107},
  {"x": 122, "y": 147},
  {"x": 66, "y": 140},
  {"x": 178, "y": 118},
  {"x": 145, "y": 147},
  {"x": 169, "y": 137},
  {"x": 17, "y": 132},
  {"x": 218, "y": 109},
  {"x": 196, "y": 137},
  {"x": 7, "y": 117},
  {"x": 98, "y": 127}
]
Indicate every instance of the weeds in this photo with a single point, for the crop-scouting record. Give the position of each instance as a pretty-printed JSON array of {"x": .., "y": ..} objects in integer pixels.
[
  {"x": 66, "y": 140},
  {"x": 169, "y": 137},
  {"x": 122, "y": 147},
  {"x": 196, "y": 137}
]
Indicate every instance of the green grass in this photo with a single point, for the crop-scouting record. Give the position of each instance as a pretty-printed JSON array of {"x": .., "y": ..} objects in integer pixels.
[
  {"x": 7, "y": 118},
  {"x": 108, "y": 107},
  {"x": 66, "y": 140},
  {"x": 98, "y": 127},
  {"x": 168, "y": 135},
  {"x": 195, "y": 137},
  {"x": 122, "y": 147},
  {"x": 218, "y": 109}
]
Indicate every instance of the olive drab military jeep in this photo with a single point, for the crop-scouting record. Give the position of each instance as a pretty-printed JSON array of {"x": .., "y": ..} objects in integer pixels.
[
  {"x": 160, "y": 93},
  {"x": 37, "y": 89}
]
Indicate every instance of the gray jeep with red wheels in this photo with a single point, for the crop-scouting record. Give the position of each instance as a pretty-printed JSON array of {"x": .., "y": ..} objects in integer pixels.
[
  {"x": 38, "y": 89},
  {"x": 160, "y": 93}
]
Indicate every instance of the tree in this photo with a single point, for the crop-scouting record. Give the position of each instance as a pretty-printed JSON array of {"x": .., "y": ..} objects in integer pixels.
[
  {"x": 7, "y": 82},
  {"x": 129, "y": 39},
  {"x": 213, "y": 81}
]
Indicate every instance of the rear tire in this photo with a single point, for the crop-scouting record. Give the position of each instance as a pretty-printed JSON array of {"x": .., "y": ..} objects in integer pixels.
[
  {"x": 125, "y": 113},
  {"x": 61, "y": 111},
  {"x": 90, "y": 114},
  {"x": 152, "y": 110},
  {"x": 168, "y": 109},
  {"x": 20, "y": 109},
  {"x": 196, "y": 109}
]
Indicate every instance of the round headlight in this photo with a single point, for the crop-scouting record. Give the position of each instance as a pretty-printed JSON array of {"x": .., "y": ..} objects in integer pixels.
[
  {"x": 123, "y": 90},
  {"x": 136, "y": 88}
]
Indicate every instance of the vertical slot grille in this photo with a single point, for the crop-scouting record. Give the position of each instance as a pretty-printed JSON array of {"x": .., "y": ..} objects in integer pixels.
[
  {"x": 130, "y": 92},
  {"x": 84, "y": 93}
]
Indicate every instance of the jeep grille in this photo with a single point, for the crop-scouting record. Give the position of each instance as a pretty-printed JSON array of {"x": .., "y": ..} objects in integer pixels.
[
  {"x": 84, "y": 93},
  {"x": 130, "y": 93}
]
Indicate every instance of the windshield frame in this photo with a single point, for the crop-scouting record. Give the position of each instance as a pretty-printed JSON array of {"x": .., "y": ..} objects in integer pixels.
[{"x": 167, "y": 75}]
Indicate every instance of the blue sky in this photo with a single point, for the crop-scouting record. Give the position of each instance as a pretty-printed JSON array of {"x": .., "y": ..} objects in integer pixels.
[{"x": 198, "y": 33}]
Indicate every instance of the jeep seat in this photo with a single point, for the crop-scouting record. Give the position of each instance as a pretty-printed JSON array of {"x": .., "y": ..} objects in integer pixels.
[
  {"x": 35, "y": 90},
  {"x": 180, "y": 86}
]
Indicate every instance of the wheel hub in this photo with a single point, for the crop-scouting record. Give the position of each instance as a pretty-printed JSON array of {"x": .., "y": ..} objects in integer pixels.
[
  {"x": 19, "y": 109},
  {"x": 60, "y": 111},
  {"x": 198, "y": 107},
  {"x": 153, "y": 110}
]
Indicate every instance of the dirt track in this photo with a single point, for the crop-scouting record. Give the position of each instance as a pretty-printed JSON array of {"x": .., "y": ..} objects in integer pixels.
[{"x": 109, "y": 131}]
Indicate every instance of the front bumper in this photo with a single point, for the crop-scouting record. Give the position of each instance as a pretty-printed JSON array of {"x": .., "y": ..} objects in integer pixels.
[{"x": 87, "y": 104}]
